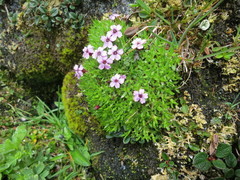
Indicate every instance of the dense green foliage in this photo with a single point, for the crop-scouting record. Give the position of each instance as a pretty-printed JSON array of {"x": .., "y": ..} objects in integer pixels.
[
  {"x": 152, "y": 69},
  {"x": 48, "y": 151},
  {"x": 223, "y": 160},
  {"x": 51, "y": 15}
]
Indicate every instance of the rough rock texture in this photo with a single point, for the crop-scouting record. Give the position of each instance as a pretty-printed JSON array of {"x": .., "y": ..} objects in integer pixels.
[{"x": 98, "y": 7}]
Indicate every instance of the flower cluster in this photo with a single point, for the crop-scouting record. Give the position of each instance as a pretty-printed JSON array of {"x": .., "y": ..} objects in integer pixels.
[{"x": 109, "y": 52}]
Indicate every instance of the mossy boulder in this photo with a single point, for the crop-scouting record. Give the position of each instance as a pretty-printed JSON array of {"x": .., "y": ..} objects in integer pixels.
[
  {"x": 78, "y": 117},
  {"x": 118, "y": 160},
  {"x": 45, "y": 57}
]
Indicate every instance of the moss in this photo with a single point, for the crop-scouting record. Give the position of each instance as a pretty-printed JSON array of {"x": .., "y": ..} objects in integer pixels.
[
  {"x": 44, "y": 58},
  {"x": 76, "y": 110}
]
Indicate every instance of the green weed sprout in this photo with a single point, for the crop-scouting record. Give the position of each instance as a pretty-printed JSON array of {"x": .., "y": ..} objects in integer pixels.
[{"x": 129, "y": 83}]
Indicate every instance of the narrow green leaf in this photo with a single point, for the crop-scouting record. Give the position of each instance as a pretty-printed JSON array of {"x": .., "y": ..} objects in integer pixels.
[
  {"x": 44, "y": 17},
  {"x": 143, "y": 14},
  {"x": 163, "y": 19},
  {"x": 219, "y": 56},
  {"x": 72, "y": 15},
  {"x": 161, "y": 38},
  {"x": 72, "y": 7},
  {"x": 96, "y": 153},
  {"x": 58, "y": 18},
  {"x": 63, "y": 169},
  {"x": 54, "y": 12},
  {"x": 71, "y": 176},
  {"x": 223, "y": 150},
  {"x": 227, "y": 56},
  {"x": 42, "y": 9},
  {"x": 37, "y": 20},
  {"x": 194, "y": 147},
  {"x": 133, "y": 5},
  {"x": 44, "y": 174},
  {"x": 126, "y": 140},
  {"x": 216, "y": 49},
  {"x": 165, "y": 156},
  {"x": 59, "y": 156},
  {"x": 144, "y": 6}
]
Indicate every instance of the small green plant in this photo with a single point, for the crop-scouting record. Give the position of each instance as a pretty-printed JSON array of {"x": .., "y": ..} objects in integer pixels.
[
  {"x": 169, "y": 165},
  {"x": 223, "y": 160},
  {"x": 235, "y": 102},
  {"x": 19, "y": 161},
  {"x": 137, "y": 108},
  {"x": 43, "y": 14},
  {"x": 155, "y": 18},
  {"x": 32, "y": 154}
]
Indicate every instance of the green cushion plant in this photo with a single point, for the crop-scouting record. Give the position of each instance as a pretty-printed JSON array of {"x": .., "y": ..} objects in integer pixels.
[{"x": 147, "y": 65}]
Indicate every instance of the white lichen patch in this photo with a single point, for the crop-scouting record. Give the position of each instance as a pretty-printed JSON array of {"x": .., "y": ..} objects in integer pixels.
[{"x": 232, "y": 69}]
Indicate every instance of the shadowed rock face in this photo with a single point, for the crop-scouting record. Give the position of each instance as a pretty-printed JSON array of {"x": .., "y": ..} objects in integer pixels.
[
  {"x": 123, "y": 161},
  {"x": 99, "y": 7}
]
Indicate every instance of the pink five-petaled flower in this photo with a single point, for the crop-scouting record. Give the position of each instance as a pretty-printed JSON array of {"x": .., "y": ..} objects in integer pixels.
[
  {"x": 140, "y": 96},
  {"x": 115, "y": 32},
  {"x": 99, "y": 54},
  {"x": 117, "y": 80},
  {"x": 79, "y": 71},
  {"x": 105, "y": 62},
  {"x": 113, "y": 16},
  {"x": 88, "y": 51},
  {"x": 115, "y": 53},
  {"x": 138, "y": 43},
  {"x": 107, "y": 41}
]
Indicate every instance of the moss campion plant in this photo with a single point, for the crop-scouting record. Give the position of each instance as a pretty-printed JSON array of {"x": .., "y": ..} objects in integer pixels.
[{"x": 129, "y": 83}]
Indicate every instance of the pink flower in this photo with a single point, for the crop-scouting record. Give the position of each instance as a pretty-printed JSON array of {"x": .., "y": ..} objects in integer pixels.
[
  {"x": 115, "y": 32},
  {"x": 140, "y": 96},
  {"x": 107, "y": 41},
  {"x": 79, "y": 71},
  {"x": 88, "y": 51},
  {"x": 99, "y": 54},
  {"x": 138, "y": 43},
  {"x": 105, "y": 63},
  {"x": 113, "y": 16},
  {"x": 115, "y": 53},
  {"x": 117, "y": 80}
]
